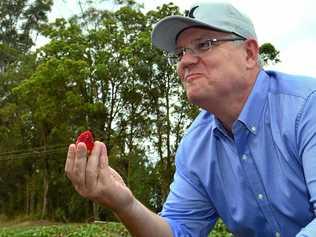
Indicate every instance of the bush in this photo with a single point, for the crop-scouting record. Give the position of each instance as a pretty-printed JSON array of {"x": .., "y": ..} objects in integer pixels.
[{"x": 220, "y": 230}]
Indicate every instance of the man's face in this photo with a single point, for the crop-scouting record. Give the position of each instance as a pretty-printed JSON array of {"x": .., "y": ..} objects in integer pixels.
[{"x": 214, "y": 75}]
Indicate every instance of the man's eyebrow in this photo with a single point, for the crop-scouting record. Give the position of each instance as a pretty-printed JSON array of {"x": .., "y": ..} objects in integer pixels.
[
  {"x": 203, "y": 36},
  {"x": 199, "y": 38}
]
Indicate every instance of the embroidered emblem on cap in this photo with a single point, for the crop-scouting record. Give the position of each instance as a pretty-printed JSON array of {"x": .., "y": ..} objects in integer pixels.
[{"x": 190, "y": 13}]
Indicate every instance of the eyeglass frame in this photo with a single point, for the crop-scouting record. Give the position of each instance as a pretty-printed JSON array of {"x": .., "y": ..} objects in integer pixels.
[{"x": 198, "y": 49}]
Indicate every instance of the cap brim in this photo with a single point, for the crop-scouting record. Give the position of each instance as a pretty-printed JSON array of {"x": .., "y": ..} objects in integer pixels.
[{"x": 166, "y": 31}]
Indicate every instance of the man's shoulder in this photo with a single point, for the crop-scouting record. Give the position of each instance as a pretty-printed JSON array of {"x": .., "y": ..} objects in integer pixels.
[
  {"x": 291, "y": 84},
  {"x": 203, "y": 119},
  {"x": 196, "y": 143}
]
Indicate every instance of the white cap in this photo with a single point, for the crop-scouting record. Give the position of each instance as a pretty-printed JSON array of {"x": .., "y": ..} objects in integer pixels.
[{"x": 217, "y": 16}]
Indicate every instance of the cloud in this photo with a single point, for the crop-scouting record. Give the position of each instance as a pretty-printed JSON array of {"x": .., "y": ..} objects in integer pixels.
[{"x": 298, "y": 58}]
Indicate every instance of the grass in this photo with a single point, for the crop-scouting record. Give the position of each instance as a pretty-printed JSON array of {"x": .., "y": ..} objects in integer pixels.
[
  {"x": 109, "y": 229},
  {"x": 104, "y": 229}
]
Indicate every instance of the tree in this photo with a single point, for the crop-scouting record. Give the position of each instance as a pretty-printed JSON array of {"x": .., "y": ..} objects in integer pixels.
[
  {"x": 19, "y": 19},
  {"x": 269, "y": 54}
]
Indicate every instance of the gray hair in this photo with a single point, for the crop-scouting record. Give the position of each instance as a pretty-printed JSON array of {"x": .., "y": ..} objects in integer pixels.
[{"x": 239, "y": 43}]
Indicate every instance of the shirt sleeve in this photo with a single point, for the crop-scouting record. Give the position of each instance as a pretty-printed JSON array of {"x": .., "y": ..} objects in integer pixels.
[
  {"x": 307, "y": 151},
  {"x": 187, "y": 209}
]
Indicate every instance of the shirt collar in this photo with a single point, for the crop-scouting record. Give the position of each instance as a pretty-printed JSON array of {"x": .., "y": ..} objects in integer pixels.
[{"x": 252, "y": 110}]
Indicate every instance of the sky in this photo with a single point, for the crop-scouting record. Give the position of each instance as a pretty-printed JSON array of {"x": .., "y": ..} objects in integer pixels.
[{"x": 289, "y": 25}]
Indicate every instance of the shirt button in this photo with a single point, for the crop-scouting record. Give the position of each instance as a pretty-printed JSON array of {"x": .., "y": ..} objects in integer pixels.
[
  {"x": 253, "y": 129},
  {"x": 260, "y": 196},
  {"x": 277, "y": 234},
  {"x": 244, "y": 157}
]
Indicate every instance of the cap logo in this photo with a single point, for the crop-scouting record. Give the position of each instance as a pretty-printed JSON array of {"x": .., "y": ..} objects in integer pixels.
[{"x": 190, "y": 13}]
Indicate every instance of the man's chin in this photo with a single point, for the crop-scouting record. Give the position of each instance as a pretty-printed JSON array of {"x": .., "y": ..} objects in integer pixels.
[{"x": 194, "y": 99}]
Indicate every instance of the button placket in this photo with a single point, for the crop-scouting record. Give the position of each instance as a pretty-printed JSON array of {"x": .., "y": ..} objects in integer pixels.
[{"x": 248, "y": 164}]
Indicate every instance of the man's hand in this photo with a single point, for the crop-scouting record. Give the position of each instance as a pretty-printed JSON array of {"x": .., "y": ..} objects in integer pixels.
[{"x": 94, "y": 179}]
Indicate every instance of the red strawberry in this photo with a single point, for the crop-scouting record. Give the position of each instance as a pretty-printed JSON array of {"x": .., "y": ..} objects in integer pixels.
[{"x": 88, "y": 138}]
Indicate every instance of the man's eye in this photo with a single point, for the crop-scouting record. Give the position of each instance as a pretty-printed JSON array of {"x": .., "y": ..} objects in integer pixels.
[
  {"x": 179, "y": 54},
  {"x": 204, "y": 45}
]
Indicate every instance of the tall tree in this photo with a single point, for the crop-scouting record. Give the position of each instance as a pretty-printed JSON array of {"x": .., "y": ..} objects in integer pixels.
[{"x": 19, "y": 22}]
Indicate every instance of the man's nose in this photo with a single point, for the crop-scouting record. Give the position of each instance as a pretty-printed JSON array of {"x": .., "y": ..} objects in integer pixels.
[{"x": 188, "y": 58}]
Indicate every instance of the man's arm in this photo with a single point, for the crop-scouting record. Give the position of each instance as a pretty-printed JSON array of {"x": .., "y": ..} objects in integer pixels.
[
  {"x": 94, "y": 179},
  {"x": 140, "y": 221}
]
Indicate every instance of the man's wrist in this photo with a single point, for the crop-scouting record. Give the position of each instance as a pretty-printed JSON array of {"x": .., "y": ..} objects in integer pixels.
[{"x": 127, "y": 210}]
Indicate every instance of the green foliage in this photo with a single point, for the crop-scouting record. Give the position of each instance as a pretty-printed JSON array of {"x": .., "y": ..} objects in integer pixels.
[
  {"x": 109, "y": 229},
  {"x": 71, "y": 230},
  {"x": 19, "y": 19},
  {"x": 269, "y": 54},
  {"x": 220, "y": 230},
  {"x": 106, "y": 78}
]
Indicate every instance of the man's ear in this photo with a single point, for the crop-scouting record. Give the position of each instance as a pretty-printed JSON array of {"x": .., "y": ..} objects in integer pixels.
[{"x": 252, "y": 53}]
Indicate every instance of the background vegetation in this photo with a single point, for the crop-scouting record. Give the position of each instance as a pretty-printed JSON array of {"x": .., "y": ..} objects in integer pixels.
[{"x": 98, "y": 71}]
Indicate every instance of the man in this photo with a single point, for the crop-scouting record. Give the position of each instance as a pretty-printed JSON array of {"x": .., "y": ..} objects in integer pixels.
[{"x": 249, "y": 157}]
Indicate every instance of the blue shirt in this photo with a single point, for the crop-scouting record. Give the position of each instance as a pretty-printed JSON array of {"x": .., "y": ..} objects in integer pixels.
[{"x": 261, "y": 182}]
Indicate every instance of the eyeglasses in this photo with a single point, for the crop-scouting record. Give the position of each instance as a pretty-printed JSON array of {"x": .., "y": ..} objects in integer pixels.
[{"x": 198, "y": 48}]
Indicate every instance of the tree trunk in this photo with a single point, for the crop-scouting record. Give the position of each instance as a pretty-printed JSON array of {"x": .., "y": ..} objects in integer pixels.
[
  {"x": 27, "y": 199},
  {"x": 45, "y": 181},
  {"x": 96, "y": 208},
  {"x": 45, "y": 193}
]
